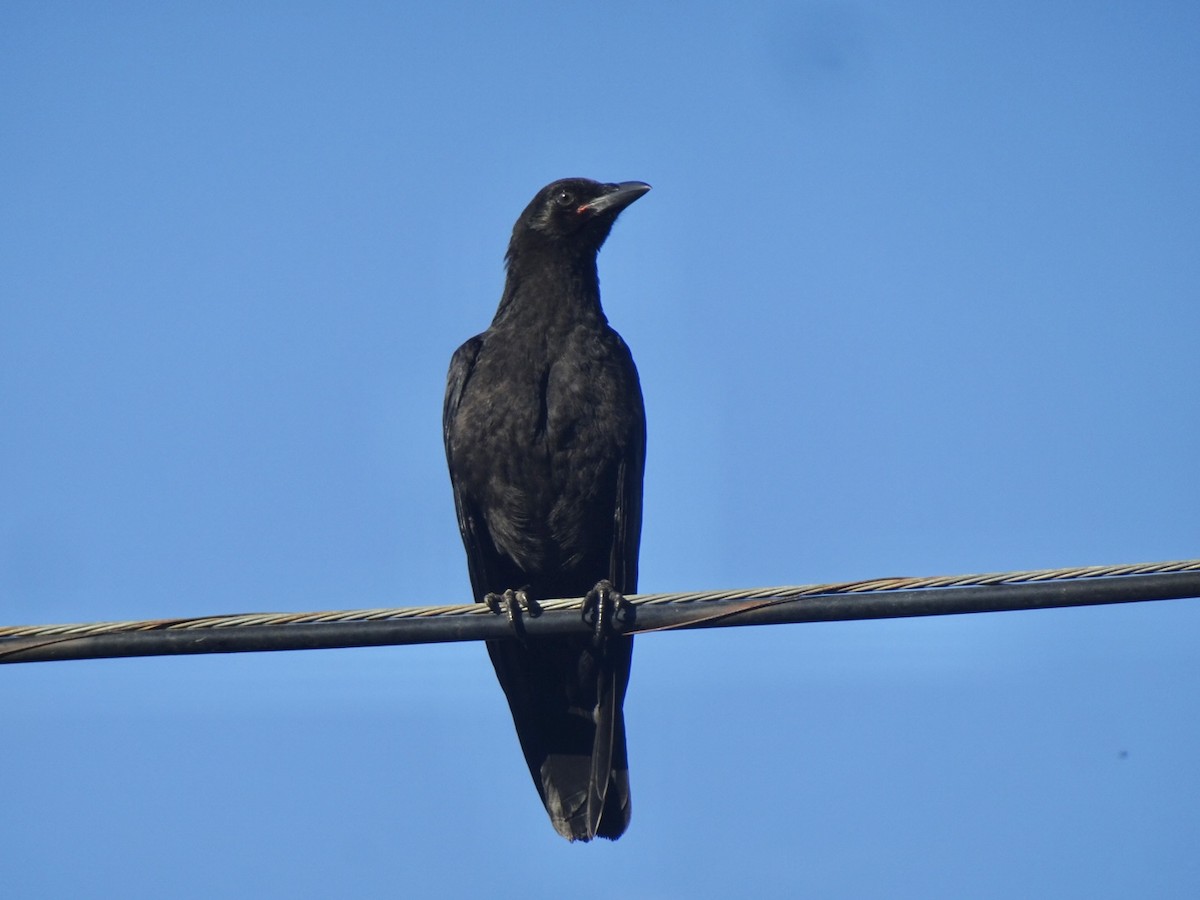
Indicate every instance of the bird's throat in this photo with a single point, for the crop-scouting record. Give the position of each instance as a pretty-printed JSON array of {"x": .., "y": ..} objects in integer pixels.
[{"x": 550, "y": 290}]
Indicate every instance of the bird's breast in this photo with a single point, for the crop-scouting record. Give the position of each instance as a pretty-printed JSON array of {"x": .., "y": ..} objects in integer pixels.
[{"x": 545, "y": 429}]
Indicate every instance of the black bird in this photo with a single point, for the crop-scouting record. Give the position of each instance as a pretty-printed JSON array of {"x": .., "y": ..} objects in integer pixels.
[{"x": 546, "y": 442}]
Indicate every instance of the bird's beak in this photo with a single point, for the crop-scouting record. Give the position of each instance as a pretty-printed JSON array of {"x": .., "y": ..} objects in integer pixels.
[{"x": 616, "y": 197}]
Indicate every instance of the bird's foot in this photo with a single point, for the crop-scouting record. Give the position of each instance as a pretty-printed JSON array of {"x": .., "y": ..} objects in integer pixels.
[
  {"x": 514, "y": 605},
  {"x": 605, "y": 610}
]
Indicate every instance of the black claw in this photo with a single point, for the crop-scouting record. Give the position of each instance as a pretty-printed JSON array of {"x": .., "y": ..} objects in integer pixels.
[
  {"x": 528, "y": 603},
  {"x": 624, "y": 616},
  {"x": 605, "y": 610},
  {"x": 513, "y": 604},
  {"x": 591, "y": 603}
]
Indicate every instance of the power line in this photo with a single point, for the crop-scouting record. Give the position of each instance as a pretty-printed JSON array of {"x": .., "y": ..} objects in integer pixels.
[{"x": 883, "y": 598}]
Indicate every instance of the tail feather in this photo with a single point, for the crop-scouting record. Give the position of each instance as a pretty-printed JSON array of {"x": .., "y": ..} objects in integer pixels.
[
  {"x": 566, "y": 701},
  {"x": 602, "y": 746}
]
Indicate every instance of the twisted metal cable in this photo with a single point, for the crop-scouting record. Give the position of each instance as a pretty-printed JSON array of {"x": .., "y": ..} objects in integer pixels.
[{"x": 874, "y": 598}]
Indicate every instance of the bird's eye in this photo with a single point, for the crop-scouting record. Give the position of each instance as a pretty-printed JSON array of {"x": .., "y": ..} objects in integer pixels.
[{"x": 564, "y": 198}]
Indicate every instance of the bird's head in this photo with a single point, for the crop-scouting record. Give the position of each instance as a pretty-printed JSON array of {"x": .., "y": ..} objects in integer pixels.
[{"x": 573, "y": 213}]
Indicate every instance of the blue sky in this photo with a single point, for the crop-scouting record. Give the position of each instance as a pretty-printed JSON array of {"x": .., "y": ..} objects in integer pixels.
[{"x": 916, "y": 292}]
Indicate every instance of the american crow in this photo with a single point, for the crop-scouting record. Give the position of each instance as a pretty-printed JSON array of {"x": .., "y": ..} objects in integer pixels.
[{"x": 546, "y": 442}]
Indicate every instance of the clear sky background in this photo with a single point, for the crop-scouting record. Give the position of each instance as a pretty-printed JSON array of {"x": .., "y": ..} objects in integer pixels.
[{"x": 916, "y": 292}]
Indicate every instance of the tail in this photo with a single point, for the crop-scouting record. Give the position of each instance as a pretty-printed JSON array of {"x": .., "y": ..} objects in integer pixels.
[{"x": 566, "y": 700}]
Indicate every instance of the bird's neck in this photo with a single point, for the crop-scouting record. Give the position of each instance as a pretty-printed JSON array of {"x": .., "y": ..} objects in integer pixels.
[{"x": 550, "y": 289}]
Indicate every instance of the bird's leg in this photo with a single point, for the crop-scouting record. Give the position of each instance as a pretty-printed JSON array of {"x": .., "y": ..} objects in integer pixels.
[
  {"x": 605, "y": 609},
  {"x": 513, "y": 604}
]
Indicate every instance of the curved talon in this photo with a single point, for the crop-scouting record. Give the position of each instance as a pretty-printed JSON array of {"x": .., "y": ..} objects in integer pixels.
[
  {"x": 590, "y": 611},
  {"x": 528, "y": 603},
  {"x": 604, "y": 609},
  {"x": 513, "y": 604},
  {"x": 625, "y": 613}
]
